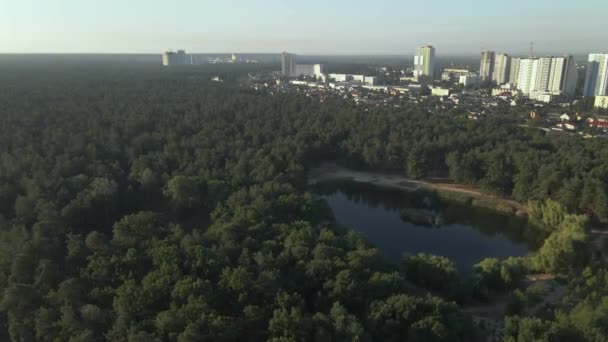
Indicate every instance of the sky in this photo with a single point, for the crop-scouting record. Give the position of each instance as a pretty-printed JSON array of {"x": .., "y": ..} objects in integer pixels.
[{"x": 313, "y": 27}]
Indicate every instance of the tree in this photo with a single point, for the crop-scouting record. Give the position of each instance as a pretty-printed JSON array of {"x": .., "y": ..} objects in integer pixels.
[
  {"x": 464, "y": 167},
  {"x": 96, "y": 242},
  {"x": 346, "y": 327},
  {"x": 494, "y": 276},
  {"x": 431, "y": 271},
  {"x": 550, "y": 213},
  {"x": 416, "y": 163},
  {"x": 401, "y": 317},
  {"x": 498, "y": 175},
  {"x": 567, "y": 248},
  {"x": 135, "y": 229},
  {"x": 519, "y": 329},
  {"x": 516, "y": 303},
  {"x": 25, "y": 209},
  {"x": 185, "y": 193},
  {"x": 289, "y": 322}
]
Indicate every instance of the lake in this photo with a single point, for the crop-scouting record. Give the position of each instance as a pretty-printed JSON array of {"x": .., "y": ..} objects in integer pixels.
[{"x": 399, "y": 222}]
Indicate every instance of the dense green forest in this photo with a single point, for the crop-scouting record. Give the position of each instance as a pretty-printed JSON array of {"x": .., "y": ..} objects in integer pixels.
[{"x": 141, "y": 206}]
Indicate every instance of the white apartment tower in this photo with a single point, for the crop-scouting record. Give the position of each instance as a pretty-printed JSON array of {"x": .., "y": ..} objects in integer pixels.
[
  {"x": 514, "y": 71},
  {"x": 180, "y": 57},
  {"x": 542, "y": 76},
  {"x": 502, "y": 67},
  {"x": 547, "y": 76},
  {"x": 424, "y": 61},
  {"x": 596, "y": 81},
  {"x": 486, "y": 67},
  {"x": 564, "y": 76},
  {"x": 526, "y": 79},
  {"x": 309, "y": 70},
  {"x": 288, "y": 64}
]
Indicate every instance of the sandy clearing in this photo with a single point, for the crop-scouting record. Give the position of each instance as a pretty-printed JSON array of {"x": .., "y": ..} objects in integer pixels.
[{"x": 328, "y": 172}]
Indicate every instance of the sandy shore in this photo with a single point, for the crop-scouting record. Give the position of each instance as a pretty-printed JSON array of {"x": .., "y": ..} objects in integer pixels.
[{"x": 329, "y": 172}]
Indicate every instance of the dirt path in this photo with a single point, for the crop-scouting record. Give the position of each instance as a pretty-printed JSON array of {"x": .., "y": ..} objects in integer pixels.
[{"x": 327, "y": 172}]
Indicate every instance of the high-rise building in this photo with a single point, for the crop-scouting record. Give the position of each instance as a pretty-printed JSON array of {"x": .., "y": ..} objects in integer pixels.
[
  {"x": 526, "y": 79},
  {"x": 288, "y": 62},
  {"x": 424, "y": 61},
  {"x": 319, "y": 69},
  {"x": 486, "y": 68},
  {"x": 167, "y": 58},
  {"x": 514, "y": 72},
  {"x": 180, "y": 57},
  {"x": 547, "y": 77},
  {"x": 596, "y": 81},
  {"x": 543, "y": 74},
  {"x": 563, "y": 76},
  {"x": 556, "y": 76},
  {"x": 502, "y": 68}
]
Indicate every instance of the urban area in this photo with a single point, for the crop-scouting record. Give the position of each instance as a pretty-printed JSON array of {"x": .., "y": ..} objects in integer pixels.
[{"x": 556, "y": 93}]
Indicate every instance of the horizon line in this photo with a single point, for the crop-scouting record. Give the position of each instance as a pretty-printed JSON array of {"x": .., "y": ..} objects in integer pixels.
[{"x": 468, "y": 54}]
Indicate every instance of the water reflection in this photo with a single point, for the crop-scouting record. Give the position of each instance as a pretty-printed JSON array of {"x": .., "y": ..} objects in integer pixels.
[{"x": 465, "y": 233}]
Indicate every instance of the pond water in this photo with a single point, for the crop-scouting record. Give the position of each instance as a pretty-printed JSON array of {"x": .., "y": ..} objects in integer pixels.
[{"x": 399, "y": 222}]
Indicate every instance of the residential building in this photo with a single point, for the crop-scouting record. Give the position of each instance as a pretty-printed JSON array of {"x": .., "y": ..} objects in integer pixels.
[
  {"x": 502, "y": 91},
  {"x": 542, "y": 97},
  {"x": 424, "y": 61},
  {"x": 368, "y": 80},
  {"x": 486, "y": 67},
  {"x": 526, "y": 79},
  {"x": 470, "y": 80},
  {"x": 547, "y": 78},
  {"x": 502, "y": 68},
  {"x": 319, "y": 69},
  {"x": 601, "y": 102},
  {"x": 453, "y": 74},
  {"x": 564, "y": 76},
  {"x": 371, "y": 80},
  {"x": 340, "y": 77},
  {"x": 309, "y": 70},
  {"x": 596, "y": 81},
  {"x": 288, "y": 64},
  {"x": 180, "y": 57},
  {"x": 556, "y": 76},
  {"x": 543, "y": 74},
  {"x": 440, "y": 92},
  {"x": 514, "y": 70}
]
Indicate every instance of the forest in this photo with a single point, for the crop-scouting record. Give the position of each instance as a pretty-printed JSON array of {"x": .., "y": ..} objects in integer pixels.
[{"x": 160, "y": 206}]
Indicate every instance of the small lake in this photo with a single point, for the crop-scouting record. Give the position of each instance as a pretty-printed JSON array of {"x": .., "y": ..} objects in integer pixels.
[{"x": 400, "y": 222}]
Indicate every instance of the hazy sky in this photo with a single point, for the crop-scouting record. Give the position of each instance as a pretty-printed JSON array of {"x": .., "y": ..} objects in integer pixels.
[{"x": 302, "y": 26}]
